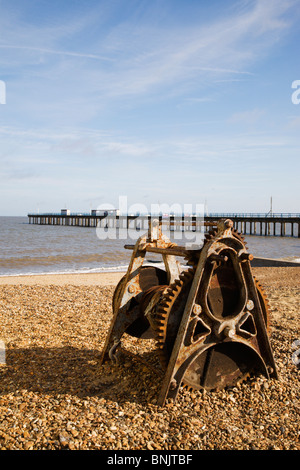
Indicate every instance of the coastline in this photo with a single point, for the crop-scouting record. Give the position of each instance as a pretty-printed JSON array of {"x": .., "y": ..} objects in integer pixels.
[{"x": 268, "y": 275}]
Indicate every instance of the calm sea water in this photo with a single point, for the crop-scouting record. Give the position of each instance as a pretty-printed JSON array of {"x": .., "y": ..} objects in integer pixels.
[{"x": 44, "y": 249}]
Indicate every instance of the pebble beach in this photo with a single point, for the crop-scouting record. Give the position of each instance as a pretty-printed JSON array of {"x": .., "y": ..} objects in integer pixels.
[{"x": 55, "y": 395}]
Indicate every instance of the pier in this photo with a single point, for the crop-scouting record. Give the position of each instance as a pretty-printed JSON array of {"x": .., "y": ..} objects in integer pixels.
[
  {"x": 282, "y": 224},
  {"x": 275, "y": 224}
]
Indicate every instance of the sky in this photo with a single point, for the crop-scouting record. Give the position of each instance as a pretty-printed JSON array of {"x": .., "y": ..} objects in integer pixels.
[{"x": 184, "y": 102}]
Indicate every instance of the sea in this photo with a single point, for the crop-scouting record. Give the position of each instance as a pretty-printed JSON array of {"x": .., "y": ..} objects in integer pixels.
[{"x": 28, "y": 249}]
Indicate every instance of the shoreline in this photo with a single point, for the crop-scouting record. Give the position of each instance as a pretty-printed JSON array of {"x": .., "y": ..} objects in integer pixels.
[{"x": 268, "y": 275}]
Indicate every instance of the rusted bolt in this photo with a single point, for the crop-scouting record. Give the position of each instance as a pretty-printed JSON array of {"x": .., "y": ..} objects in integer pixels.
[
  {"x": 215, "y": 257},
  {"x": 246, "y": 257},
  {"x": 229, "y": 331},
  {"x": 228, "y": 223},
  {"x": 197, "y": 309},
  {"x": 131, "y": 289},
  {"x": 173, "y": 384},
  {"x": 250, "y": 305}
]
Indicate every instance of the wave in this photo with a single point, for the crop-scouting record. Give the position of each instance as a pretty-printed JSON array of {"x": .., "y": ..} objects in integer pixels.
[
  {"x": 102, "y": 269},
  {"x": 42, "y": 270},
  {"x": 53, "y": 259}
]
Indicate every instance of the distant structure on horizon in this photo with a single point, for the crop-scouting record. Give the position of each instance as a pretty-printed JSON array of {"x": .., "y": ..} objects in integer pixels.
[{"x": 270, "y": 224}]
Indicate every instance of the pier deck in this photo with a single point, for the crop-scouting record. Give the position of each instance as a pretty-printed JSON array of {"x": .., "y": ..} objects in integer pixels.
[{"x": 283, "y": 225}]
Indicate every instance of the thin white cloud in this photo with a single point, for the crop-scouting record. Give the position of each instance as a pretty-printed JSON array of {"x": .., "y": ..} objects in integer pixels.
[
  {"x": 56, "y": 52},
  {"x": 40, "y": 149},
  {"x": 154, "y": 59},
  {"x": 188, "y": 56},
  {"x": 133, "y": 80},
  {"x": 247, "y": 117}
]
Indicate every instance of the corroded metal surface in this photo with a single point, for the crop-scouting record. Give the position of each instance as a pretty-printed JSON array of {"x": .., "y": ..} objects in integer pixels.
[{"x": 210, "y": 318}]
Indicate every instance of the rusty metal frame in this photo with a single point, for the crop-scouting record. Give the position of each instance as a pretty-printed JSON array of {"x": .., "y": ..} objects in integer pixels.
[
  {"x": 187, "y": 348},
  {"x": 184, "y": 351}
]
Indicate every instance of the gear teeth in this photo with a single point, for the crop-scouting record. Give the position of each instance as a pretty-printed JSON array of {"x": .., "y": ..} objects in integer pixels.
[
  {"x": 210, "y": 235},
  {"x": 239, "y": 235},
  {"x": 187, "y": 387},
  {"x": 245, "y": 377},
  {"x": 178, "y": 283},
  {"x": 163, "y": 311}
]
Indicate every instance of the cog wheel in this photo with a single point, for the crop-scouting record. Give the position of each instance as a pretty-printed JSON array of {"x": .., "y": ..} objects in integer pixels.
[
  {"x": 167, "y": 324},
  {"x": 211, "y": 234},
  {"x": 239, "y": 235},
  {"x": 234, "y": 359},
  {"x": 192, "y": 258},
  {"x": 149, "y": 278}
]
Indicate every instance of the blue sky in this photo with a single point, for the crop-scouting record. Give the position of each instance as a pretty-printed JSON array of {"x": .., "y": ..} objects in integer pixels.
[{"x": 161, "y": 101}]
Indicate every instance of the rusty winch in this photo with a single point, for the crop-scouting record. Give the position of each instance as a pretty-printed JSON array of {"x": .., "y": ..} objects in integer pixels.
[{"x": 210, "y": 317}]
